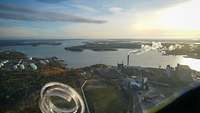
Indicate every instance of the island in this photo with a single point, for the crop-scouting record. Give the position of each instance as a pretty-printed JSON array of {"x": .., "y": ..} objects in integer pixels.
[
  {"x": 187, "y": 49},
  {"x": 105, "y": 46}
]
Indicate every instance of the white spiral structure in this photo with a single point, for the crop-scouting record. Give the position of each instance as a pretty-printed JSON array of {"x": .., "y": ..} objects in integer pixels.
[{"x": 55, "y": 89}]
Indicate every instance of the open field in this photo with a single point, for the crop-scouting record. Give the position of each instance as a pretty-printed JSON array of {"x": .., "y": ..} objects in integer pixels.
[{"x": 106, "y": 100}]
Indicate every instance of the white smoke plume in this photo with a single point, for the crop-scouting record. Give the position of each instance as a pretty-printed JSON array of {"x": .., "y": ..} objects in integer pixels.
[{"x": 146, "y": 48}]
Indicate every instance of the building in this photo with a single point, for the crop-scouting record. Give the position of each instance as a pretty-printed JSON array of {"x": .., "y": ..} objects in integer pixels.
[
  {"x": 6, "y": 61},
  {"x": 135, "y": 84},
  {"x": 1, "y": 64},
  {"x": 33, "y": 66},
  {"x": 15, "y": 67},
  {"x": 30, "y": 58},
  {"x": 47, "y": 61},
  {"x": 43, "y": 62},
  {"x": 120, "y": 66},
  {"x": 169, "y": 70},
  {"x": 22, "y": 67}
]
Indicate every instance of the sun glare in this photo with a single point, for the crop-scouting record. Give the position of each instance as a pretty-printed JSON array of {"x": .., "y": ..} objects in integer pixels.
[{"x": 181, "y": 19}]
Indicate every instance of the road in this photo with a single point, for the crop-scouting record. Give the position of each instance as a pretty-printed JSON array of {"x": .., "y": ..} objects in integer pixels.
[{"x": 136, "y": 104}]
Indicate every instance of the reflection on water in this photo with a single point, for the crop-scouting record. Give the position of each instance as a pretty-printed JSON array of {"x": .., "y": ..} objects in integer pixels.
[
  {"x": 192, "y": 63},
  {"x": 80, "y": 59}
]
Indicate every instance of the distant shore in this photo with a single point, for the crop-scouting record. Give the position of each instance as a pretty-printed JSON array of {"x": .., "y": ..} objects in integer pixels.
[
  {"x": 4, "y": 43},
  {"x": 188, "y": 50},
  {"x": 105, "y": 46}
]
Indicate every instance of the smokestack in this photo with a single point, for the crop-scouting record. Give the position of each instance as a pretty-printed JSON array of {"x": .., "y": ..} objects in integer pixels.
[{"x": 128, "y": 60}]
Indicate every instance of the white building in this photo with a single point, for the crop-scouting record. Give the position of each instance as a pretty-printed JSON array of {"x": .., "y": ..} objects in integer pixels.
[
  {"x": 33, "y": 66},
  {"x": 47, "y": 61},
  {"x": 6, "y": 61},
  {"x": 30, "y": 58},
  {"x": 1, "y": 64},
  {"x": 22, "y": 66},
  {"x": 135, "y": 84},
  {"x": 15, "y": 67},
  {"x": 43, "y": 62}
]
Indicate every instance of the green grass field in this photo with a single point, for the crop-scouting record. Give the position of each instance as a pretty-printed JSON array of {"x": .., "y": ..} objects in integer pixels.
[{"x": 106, "y": 100}]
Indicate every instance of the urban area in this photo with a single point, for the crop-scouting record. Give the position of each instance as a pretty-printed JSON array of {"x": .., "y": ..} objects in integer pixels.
[{"x": 130, "y": 89}]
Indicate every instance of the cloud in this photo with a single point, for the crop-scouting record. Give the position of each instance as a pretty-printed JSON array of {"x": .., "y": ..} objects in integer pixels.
[
  {"x": 115, "y": 9},
  {"x": 14, "y": 8},
  {"x": 85, "y": 8},
  {"x": 51, "y": 1},
  {"x": 14, "y": 12}
]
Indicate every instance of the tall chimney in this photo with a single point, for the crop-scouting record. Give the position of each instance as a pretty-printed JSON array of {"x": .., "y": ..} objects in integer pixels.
[{"x": 128, "y": 60}]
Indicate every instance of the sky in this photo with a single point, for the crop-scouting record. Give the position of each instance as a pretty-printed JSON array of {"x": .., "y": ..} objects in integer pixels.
[{"x": 102, "y": 19}]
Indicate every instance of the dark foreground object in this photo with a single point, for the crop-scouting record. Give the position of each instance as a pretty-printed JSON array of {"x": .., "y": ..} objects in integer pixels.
[{"x": 187, "y": 103}]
